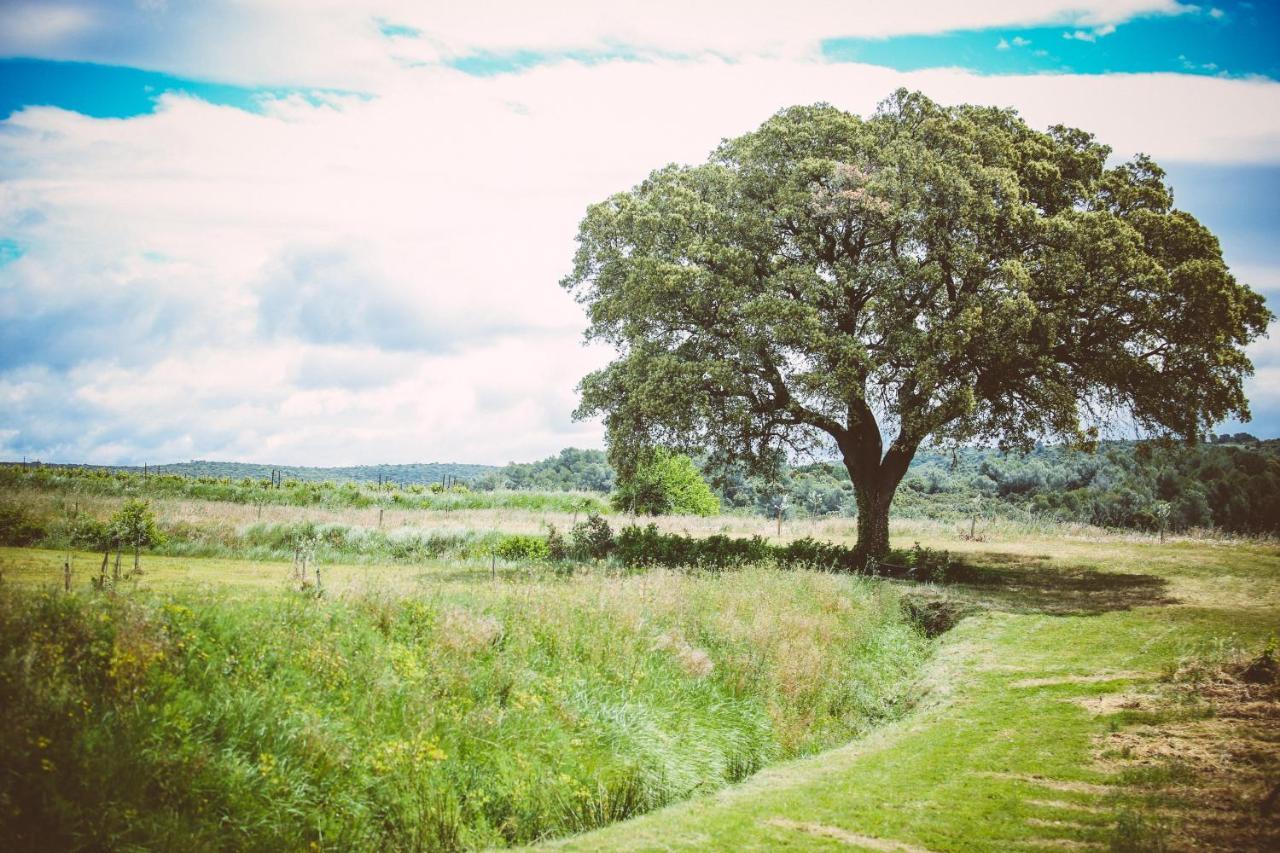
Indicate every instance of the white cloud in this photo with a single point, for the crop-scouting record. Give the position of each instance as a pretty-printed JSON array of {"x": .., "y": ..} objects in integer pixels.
[
  {"x": 340, "y": 43},
  {"x": 45, "y": 25},
  {"x": 1018, "y": 41},
  {"x": 1090, "y": 35},
  {"x": 1264, "y": 279},
  {"x": 446, "y": 208}
]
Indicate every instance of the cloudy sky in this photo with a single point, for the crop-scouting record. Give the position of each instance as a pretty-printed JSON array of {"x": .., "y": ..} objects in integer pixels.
[{"x": 331, "y": 231}]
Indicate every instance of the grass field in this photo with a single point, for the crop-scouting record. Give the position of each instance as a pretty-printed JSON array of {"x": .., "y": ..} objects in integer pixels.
[
  {"x": 210, "y": 702},
  {"x": 1085, "y": 700},
  {"x": 1011, "y": 749}
]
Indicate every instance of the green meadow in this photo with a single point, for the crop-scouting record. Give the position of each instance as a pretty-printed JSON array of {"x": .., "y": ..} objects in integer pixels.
[{"x": 466, "y": 701}]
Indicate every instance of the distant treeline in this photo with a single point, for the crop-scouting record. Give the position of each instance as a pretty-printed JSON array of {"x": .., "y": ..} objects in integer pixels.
[
  {"x": 423, "y": 474},
  {"x": 1232, "y": 487},
  {"x": 266, "y": 491},
  {"x": 1231, "y": 483},
  {"x": 570, "y": 470}
]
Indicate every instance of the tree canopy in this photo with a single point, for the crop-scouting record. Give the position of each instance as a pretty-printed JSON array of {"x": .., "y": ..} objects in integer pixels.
[{"x": 929, "y": 273}]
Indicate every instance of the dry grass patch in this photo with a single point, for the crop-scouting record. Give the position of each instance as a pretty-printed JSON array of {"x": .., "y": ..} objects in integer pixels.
[
  {"x": 844, "y": 836},
  {"x": 1209, "y": 750},
  {"x": 1111, "y": 703},
  {"x": 1054, "y": 681}
]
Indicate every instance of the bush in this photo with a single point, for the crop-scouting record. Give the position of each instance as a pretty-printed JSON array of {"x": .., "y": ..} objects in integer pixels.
[
  {"x": 557, "y": 548},
  {"x": 647, "y": 547},
  {"x": 522, "y": 548},
  {"x": 135, "y": 525},
  {"x": 808, "y": 553},
  {"x": 19, "y": 527},
  {"x": 92, "y": 535},
  {"x": 929, "y": 564},
  {"x": 593, "y": 538}
]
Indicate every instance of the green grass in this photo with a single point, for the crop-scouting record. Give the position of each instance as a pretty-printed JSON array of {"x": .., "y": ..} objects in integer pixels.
[
  {"x": 1002, "y": 753},
  {"x": 207, "y": 705},
  {"x": 999, "y": 751}
]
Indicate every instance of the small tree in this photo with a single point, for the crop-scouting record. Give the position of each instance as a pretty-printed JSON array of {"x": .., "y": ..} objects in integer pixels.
[
  {"x": 135, "y": 526},
  {"x": 305, "y": 543},
  {"x": 93, "y": 535},
  {"x": 665, "y": 484}
]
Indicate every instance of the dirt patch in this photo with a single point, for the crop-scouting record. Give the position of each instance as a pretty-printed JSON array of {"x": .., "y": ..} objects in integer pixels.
[
  {"x": 1113, "y": 703},
  {"x": 1065, "y": 785},
  {"x": 844, "y": 836},
  {"x": 1058, "y": 824},
  {"x": 1065, "y": 805},
  {"x": 1081, "y": 679},
  {"x": 1219, "y": 774}
]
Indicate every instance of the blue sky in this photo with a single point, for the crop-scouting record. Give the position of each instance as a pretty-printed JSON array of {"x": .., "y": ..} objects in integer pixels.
[
  {"x": 1226, "y": 39},
  {"x": 330, "y": 232},
  {"x": 115, "y": 91}
]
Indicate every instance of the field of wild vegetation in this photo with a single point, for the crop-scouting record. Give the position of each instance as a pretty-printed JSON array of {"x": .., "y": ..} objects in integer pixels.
[
  {"x": 362, "y": 667},
  {"x": 438, "y": 713},
  {"x": 1229, "y": 483}
]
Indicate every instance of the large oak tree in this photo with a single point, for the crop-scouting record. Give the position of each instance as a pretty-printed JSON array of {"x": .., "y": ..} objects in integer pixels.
[{"x": 929, "y": 273}]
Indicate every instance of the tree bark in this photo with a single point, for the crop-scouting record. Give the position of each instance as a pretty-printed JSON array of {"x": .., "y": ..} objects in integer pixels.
[
  {"x": 873, "y": 527},
  {"x": 875, "y": 480}
]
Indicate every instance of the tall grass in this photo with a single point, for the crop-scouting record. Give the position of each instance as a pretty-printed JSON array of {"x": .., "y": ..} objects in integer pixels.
[{"x": 487, "y": 715}]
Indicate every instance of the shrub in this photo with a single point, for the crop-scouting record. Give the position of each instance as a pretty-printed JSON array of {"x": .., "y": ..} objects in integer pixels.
[
  {"x": 929, "y": 564},
  {"x": 18, "y": 526},
  {"x": 92, "y": 535},
  {"x": 135, "y": 525},
  {"x": 522, "y": 548},
  {"x": 593, "y": 538},
  {"x": 647, "y": 547},
  {"x": 557, "y": 547},
  {"x": 808, "y": 553}
]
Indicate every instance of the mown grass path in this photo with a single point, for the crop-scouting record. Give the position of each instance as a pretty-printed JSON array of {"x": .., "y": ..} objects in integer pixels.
[{"x": 1002, "y": 752}]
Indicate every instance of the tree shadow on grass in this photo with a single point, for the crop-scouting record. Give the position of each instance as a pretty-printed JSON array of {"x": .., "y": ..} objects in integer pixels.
[{"x": 1016, "y": 583}]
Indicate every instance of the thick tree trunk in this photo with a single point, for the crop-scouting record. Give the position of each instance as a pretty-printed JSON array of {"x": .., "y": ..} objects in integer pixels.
[
  {"x": 873, "y": 527},
  {"x": 875, "y": 480}
]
